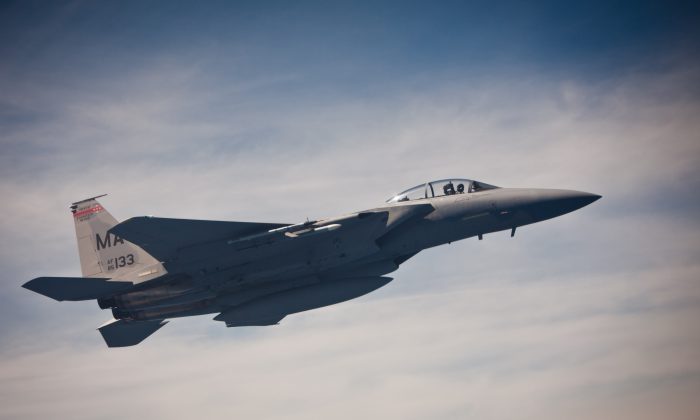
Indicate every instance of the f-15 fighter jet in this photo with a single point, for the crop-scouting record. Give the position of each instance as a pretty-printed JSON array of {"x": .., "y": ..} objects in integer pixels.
[{"x": 150, "y": 269}]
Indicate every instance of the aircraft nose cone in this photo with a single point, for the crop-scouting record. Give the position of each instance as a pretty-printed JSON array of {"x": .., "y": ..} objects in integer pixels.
[{"x": 553, "y": 203}]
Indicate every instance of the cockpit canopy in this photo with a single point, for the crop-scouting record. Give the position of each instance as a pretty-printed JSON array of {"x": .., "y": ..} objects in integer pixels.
[{"x": 441, "y": 188}]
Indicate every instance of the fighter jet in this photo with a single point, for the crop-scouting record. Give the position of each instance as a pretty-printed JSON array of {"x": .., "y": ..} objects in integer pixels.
[{"x": 147, "y": 270}]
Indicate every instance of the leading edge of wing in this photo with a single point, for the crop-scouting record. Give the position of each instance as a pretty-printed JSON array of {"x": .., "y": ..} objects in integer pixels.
[{"x": 163, "y": 237}]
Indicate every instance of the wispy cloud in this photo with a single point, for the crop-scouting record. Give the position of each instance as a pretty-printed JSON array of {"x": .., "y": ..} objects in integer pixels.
[
  {"x": 445, "y": 354},
  {"x": 585, "y": 316}
]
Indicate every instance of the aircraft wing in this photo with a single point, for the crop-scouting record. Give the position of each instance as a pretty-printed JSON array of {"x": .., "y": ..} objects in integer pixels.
[
  {"x": 163, "y": 237},
  {"x": 272, "y": 308}
]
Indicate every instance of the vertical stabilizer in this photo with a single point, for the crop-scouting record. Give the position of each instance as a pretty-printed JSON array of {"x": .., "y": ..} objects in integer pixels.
[{"x": 107, "y": 255}]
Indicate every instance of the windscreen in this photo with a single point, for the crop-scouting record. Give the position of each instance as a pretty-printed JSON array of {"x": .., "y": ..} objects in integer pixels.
[{"x": 441, "y": 188}]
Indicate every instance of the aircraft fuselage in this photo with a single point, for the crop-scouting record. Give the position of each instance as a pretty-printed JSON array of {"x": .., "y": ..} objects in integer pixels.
[
  {"x": 149, "y": 269},
  {"x": 305, "y": 255}
]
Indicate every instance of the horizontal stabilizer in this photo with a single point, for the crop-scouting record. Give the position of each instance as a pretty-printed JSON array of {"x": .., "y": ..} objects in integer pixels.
[
  {"x": 120, "y": 333},
  {"x": 162, "y": 237},
  {"x": 76, "y": 288}
]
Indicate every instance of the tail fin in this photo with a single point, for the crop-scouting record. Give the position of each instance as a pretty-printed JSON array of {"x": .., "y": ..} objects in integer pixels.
[{"x": 106, "y": 255}]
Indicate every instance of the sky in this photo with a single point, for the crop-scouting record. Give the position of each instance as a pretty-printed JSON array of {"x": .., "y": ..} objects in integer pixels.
[{"x": 283, "y": 111}]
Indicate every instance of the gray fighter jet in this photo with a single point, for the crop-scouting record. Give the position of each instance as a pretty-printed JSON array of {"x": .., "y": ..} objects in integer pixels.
[{"x": 149, "y": 269}]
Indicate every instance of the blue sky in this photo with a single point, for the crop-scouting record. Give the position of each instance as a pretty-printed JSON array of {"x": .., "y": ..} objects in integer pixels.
[{"x": 278, "y": 112}]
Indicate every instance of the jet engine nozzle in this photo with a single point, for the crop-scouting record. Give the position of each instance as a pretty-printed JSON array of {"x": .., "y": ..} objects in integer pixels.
[{"x": 106, "y": 303}]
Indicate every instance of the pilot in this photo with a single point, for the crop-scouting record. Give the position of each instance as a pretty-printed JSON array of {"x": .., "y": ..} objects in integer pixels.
[
  {"x": 475, "y": 186},
  {"x": 460, "y": 188},
  {"x": 448, "y": 189}
]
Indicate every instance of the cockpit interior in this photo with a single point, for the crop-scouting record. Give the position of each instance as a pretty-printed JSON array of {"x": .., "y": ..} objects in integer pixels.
[{"x": 441, "y": 188}]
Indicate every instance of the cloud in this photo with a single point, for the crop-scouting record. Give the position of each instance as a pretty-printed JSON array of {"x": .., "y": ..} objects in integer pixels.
[
  {"x": 588, "y": 315},
  {"x": 445, "y": 354}
]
